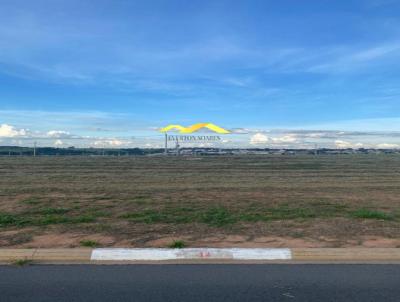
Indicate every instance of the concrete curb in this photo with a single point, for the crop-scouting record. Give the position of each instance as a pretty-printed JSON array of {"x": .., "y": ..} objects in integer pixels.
[
  {"x": 346, "y": 254},
  {"x": 190, "y": 254},
  {"x": 78, "y": 255},
  {"x": 201, "y": 255}
]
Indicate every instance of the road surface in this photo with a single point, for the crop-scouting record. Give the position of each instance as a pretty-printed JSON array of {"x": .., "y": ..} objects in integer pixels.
[{"x": 200, "y": 283}]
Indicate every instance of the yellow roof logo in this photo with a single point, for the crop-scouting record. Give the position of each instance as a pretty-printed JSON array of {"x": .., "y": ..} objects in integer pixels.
[{"x": 195, "y": 127}]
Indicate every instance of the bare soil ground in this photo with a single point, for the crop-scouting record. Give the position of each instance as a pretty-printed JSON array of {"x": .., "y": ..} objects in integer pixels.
[{"x": 236, "y": 201}]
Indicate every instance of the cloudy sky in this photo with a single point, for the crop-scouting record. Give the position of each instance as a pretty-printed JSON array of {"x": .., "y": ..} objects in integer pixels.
[{"x": 285, "y": 73}]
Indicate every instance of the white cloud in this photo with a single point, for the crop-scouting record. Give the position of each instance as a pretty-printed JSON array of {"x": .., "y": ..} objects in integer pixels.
[
  {"x": 240, "y": 130},
  {"x": 315, "y": 135},
  {"x": 387, "y": 146},
  {"x": 11, "y": 131},
  {"x": 258, "y": 138},
  {"x": 290, "y": 138},
  {"x": 58, "y": 143},
  {"x": 58, "y": 134},
  {"x": 110, "y": 143},
  {"x": 206, "y": 145},
  {"x": 345, "y": 144},
  {"x": 375, "y": 52},
  {"x": 351, "y": 60},
  {"x": 321, "y": 134}
]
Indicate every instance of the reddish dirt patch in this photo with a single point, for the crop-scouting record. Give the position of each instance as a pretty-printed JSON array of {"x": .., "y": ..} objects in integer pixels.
[
  {"x": 66, "y": 240},
  {"x": 380, "y": 242}
]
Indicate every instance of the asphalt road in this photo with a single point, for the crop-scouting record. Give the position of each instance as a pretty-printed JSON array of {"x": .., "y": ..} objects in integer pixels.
[{"x": 200, "y": 283}]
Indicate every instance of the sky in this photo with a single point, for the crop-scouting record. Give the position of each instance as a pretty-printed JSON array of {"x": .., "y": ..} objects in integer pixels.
[{"x": 276, "y": 73}]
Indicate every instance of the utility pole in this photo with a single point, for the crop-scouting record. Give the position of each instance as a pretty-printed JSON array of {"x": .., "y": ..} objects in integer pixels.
[
  {"x": 34, "y": 148},
  {"x": 166, "y": 144}
]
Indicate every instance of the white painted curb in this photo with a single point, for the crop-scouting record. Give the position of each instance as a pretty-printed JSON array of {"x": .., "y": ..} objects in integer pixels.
[{"x": 152, "y": 254}]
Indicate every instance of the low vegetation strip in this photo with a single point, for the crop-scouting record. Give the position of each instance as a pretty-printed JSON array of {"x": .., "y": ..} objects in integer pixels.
[
  {"x": 213, "y": 216},
  {"x": 26, "y": 219},
  {"x": 138, "y": 201},
  {"x": 221, "y": 216},
  {"x": 371, "y": 214}
]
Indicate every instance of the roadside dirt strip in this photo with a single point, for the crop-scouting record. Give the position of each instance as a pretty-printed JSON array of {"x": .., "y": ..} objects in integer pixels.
[{"x": 200, "y": 255}]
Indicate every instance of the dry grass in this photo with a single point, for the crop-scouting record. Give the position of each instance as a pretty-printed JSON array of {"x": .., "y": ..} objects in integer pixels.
[{"x": 139, "y": 199}]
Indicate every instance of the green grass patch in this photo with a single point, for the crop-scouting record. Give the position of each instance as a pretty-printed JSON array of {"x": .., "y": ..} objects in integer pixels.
[
  {"x": 51, "y": 211},
  {"x": 7, "y": 219},
  {"x": 31, "y": 201},
  {"x": 371, "y": 214},
  {"x": 147, "y": 216},
  {"x": 303, "y": 166},
  {"x": 221, "y": 216},
  {"x": 60, "y": 219},
  {"x": 218, "y": 217},
  {"x": 27, "y": 219},
  {"x": 89, "y": 243},
  {"x": 141, "y": 199},
  {"x": 177, "y": 244},
  {"x": 50, "y": 219},
  {"x": 82, "y": 219},
  {"x": 99, "y": 213},
  {"x": 287, "y": 212},
  {"x": 167, "y": 215},
  {"x": 22, "y": 262}
]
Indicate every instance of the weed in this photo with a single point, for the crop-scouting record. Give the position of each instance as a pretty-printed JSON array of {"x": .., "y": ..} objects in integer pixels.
[
  {"x": 218, "y": 217},
  {"x": 168, "y": 215},
  {"x": 286, "y": 212},
  {"x": 140, "y": 199},
  {"x": 82, "y": 219},
  {"x": 52, "y": 219},
  {"x": 99, "y": 213},
  {"x": 31, "y": 201},
  {"x": 221, "y": 216},
  {"x": 50, "y": 211},
  {"x": 177, "y": 244},
  {"x": 24, "y": 219},
  {"x": 7, "y": 219},
  {"x": 22, "y": 262},
  {"x": 59, "y": 219},
  {"x": 89, "y": 243},
  {"x": 147, "y": 216},
  {"x": 371, "y": 214}
]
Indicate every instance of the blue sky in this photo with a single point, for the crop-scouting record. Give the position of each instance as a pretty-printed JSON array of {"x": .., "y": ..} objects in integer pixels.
[{"x": 117, "y": 70}]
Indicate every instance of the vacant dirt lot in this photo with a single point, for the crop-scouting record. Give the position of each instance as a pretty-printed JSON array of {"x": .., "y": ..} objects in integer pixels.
[{"x": 266, "y": 201}]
